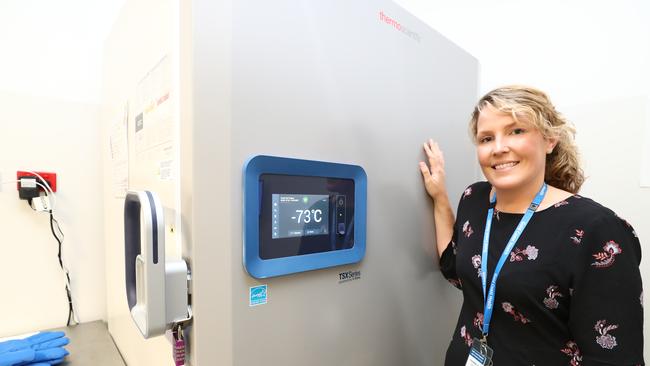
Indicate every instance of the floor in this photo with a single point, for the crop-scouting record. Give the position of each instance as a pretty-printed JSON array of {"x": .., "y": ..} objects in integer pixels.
[{"x": 91, "y": 344}]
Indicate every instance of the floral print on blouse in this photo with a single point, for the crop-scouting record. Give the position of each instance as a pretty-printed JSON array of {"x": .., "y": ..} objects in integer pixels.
[{"x": 569, "y": 293}]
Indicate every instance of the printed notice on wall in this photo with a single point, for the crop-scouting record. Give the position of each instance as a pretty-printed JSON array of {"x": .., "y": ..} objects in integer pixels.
[
  {"x": 154, "y": 127},
  {"x": 645, "y": 159},
  {"x": 120, "y": 154}
]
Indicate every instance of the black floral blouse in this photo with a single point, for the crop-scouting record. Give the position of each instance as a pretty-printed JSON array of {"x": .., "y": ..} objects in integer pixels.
[{"x": 569, "y": 294}]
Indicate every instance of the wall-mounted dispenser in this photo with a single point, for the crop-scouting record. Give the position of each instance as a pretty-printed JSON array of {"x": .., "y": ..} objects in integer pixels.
[{"x": 156, "y": 290}]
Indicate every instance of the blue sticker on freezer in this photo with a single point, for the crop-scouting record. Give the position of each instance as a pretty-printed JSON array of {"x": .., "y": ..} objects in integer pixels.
[{"x": 257, "y": 295}]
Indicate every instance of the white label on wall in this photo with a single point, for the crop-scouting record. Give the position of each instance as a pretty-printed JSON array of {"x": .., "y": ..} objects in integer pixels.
[
  {"x": 645, "y": 159},
  {"x": 120, "y": 154}
]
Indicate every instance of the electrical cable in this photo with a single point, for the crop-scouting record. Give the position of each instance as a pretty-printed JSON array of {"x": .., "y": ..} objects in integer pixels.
[
  {"x": 71, "y": 312},
  {"x": 59, "y": 238},
  {"x": 51, "y": 206},
  {"x": 48, "y": 189},
  {"x": 68, "y": 288}
]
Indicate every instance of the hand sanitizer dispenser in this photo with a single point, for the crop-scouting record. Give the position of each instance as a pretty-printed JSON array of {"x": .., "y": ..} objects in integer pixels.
[{"x": 156, "y": 290}]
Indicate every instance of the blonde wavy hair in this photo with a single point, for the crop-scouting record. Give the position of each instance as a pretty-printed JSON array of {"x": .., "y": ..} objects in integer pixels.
[{"x": 529, "y": 105}]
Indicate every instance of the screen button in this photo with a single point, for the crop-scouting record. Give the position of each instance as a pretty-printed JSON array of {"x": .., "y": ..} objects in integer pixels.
[{"x": 341, "y": 228}]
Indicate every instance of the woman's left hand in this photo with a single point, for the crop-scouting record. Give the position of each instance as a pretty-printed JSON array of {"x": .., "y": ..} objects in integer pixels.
[{"x": 434, "y": 173}]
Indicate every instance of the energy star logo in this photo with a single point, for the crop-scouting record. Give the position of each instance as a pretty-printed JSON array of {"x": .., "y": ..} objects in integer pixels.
[
  {"x": 398, "y": 26},
  {"x": 257, "y": 295}
]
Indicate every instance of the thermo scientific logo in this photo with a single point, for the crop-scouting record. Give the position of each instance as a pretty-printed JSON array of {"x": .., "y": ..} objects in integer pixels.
[{"x": 398, "y": 26}]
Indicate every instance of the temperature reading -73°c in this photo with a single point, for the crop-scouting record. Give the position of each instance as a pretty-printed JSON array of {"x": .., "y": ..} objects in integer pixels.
[{"x": 307, "y": 215}]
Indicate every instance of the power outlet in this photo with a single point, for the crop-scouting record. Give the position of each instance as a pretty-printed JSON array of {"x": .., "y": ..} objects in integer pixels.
[{"x": 50, "y": 178}]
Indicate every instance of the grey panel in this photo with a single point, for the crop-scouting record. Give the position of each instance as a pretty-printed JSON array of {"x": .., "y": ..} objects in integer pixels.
[{"x": 329, "y": 80}]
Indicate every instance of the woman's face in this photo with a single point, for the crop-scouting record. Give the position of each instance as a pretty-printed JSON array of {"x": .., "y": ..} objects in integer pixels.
[{"x": 512, "y": 154}]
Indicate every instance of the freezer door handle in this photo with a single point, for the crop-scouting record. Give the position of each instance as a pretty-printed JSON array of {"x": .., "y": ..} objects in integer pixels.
[{"x": 156, "y": 290}]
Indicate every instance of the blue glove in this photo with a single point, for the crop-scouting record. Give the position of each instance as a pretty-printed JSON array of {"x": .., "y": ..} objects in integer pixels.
[
  {"x": 57, "y": 342},
  {"x": 44, "y": 348},
  {"x": 51, "y": 362},
  {"x": 44, "y": 340},
  {"x": 47, "y": 356},
  {"x": 13, "y": 357},
  {"x": 37, "y": 341}
]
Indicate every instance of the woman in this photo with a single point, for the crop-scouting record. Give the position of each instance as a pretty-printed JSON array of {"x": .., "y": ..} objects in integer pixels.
[{"x": 568, "y": 288}]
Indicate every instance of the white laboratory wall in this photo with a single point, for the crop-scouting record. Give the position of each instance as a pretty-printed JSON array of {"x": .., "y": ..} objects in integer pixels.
[
  {"x": 645, "y": 160},
  {"x": 54, "y": 48},
  {"x": 578, "y": 51},
  {"x": 47, "y": 134},
  {"x": 50, "y": 73},
  {"x": 593, "y": 59},
  {"x": 612, "y": 148}
]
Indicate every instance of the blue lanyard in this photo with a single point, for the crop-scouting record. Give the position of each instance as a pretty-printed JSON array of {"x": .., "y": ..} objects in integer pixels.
[{"x": 489, "y": 302}]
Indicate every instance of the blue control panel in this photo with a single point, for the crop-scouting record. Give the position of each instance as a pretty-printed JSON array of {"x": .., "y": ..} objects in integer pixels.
[{"x": 302, "y": 215}]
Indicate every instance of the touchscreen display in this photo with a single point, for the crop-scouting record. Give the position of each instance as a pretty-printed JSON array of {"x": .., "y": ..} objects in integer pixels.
[
  {"x": 304, "y": 215},
  {"x": 300, "y": 215}
]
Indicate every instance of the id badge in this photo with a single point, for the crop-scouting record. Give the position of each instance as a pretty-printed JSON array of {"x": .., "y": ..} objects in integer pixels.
[{"x": 480, "y": 354}]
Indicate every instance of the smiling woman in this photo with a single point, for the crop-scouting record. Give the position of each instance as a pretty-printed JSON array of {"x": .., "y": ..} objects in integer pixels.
[
  {"x": 566, "y": 268},
  {"x": 512, "y": 154},
  {"x": 531, "y": 110}
]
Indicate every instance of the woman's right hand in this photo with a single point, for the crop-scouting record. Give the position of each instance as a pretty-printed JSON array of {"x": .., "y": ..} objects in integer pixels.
[{"x": 433, "y": 173}]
